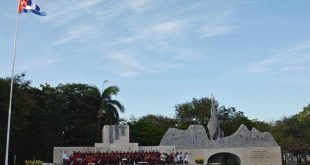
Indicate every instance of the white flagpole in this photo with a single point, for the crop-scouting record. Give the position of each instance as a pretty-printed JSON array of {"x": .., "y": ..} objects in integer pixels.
[{"x": 11, "y": 93}]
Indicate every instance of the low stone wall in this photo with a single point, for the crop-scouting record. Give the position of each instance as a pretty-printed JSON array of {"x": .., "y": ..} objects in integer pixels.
[{"x": 119, "y": 146}]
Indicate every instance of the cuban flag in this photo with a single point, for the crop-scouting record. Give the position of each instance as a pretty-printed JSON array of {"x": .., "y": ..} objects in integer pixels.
[{"x": 29, "y": 6}]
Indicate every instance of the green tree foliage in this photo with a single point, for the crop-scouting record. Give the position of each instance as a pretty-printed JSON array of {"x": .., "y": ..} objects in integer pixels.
[
  {"x": 293, "y": 135},
  {"x": 23, "y": 103},
  {"x": 304, "y": 120},
  {"x": 65, "y": 115},
  {"x": 198, "y": 112},
  {"x": 107, "y": 113},
  {"x": 79, "y": 106},
  {"x": 262, "y": 125},
  {"x": 109, "y": 107},
  {"x": 148, "y": 130},
  {"x": 232, "y": 119},
  {"x": 304, "y": 116},
  {"x": 46, "y": 117}
]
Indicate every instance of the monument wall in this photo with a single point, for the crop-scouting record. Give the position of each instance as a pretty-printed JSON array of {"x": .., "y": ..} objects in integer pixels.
[
  {"x": 247, "y": 156},
  {"x": 114, "y": 138},
  {"x": 114, "y": 135},
  {"x": 251, "y": 147}
]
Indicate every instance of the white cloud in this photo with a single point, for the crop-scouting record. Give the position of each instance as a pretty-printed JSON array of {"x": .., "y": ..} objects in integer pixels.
[
  {"x": 122, "y": 24},
  {"x": 187, "y": 55},
  {"x": 215, "y": 30},
  {"x": 79, "y": 33},
  {"x": 155, "y": 32},
  {"x": 293, "y": 81},
  {"x": 35, "y": 63},
  {"x": 128, "y": 64},
  {"x": 66, "y": 10},
  {"x": 61, "y": 12},
  {"x": 167, "y": 28},
  {"x": 296, "y": 58},
  {"x": 302, "y": 82},
  {"x": 139, "y": 5}
]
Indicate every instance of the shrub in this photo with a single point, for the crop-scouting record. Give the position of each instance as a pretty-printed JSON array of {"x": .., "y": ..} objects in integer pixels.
[
  {"x": 199, "y": 160},
  {"x": 33, "y": 162}
]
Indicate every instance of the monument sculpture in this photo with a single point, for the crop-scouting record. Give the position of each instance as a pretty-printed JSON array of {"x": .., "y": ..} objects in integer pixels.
[
  {"x": 115, "y": 137},
  {"x": 195, "y": 137},
  {"x": 213, "y": 124},
  {"x": 246, "y": 147},
  {"x": 249, "y": 147}
]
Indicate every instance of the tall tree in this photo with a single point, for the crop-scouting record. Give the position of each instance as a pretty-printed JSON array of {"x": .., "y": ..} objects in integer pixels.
[
  {"x": 304, "y": 120},
  {"x": 22, "y": 105},
  {"x": 197, "y": 111},
  {"x": 293, "y": 135},
  {"x": 79, "y": 106},
  {"x": 231, "y": 119},
  {"x": 110, "y": 107},
  {"x": 149, "y": 130}
]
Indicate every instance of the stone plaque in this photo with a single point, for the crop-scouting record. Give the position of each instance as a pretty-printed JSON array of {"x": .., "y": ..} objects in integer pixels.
[{"x": 259, "y": 154}]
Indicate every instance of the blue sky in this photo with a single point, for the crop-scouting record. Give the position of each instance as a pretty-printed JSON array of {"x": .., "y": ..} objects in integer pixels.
[{"x": 253, "y": 54}]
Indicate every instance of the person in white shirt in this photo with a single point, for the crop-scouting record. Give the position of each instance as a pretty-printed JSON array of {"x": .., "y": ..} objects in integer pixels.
[
  {"x": 186, "y": 157},
  {"x": 64, "y": 157},
  {"x": 181, "y": 157}
]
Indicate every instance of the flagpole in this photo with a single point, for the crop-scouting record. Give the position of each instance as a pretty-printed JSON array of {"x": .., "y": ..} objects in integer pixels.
[{"x": 11, "y": 93}]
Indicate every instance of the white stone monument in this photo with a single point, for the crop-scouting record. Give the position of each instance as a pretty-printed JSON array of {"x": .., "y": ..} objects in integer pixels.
[
  {"x": 114, "y": 138},
  {"x": 248, "y": 147},
  {"x": 117, "y": 138}
]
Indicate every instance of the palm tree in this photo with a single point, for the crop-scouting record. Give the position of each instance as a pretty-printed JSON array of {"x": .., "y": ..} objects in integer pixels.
[{"x": 109, "y": 107}]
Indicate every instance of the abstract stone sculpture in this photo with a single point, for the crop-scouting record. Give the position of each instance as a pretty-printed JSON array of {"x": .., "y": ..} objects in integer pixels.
[
  {"x": 213, "y": 124},
  {"x": 195, "y": 137}
]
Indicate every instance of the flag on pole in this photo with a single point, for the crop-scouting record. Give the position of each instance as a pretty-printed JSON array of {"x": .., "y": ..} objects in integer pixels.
[{"x": 27, "y": 6}]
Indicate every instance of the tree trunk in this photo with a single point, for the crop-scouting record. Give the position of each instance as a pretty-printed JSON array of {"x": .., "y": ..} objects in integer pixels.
[{"x": 298, "y": 161}]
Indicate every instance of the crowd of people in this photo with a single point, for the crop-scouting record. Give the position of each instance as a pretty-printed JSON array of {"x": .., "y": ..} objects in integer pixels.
[{"x": 133, "y": 157}]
